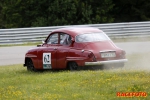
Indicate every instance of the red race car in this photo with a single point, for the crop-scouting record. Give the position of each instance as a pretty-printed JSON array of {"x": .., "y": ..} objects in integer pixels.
[{"x": 75, "y": 48}]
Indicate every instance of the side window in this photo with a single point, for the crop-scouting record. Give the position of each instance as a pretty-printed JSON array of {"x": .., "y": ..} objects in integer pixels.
[
  {"x": 53, "y": 39},
  {"x": 65, "y": 39},
  {"x": 62, "y": 37}
]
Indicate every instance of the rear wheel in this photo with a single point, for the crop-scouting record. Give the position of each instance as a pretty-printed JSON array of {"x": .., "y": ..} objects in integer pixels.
[
  {"x": 30, "y": 66},
  {"x": 72, "y": 66}
]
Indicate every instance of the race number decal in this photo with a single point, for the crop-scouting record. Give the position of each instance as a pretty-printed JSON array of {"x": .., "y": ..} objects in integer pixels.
[{"x": 47, "y": 61}]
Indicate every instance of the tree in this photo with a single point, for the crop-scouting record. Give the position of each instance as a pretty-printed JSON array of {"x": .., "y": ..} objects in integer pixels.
[
  {"x": 1, "y": 15},
  {"x": 101, "y": 11},
  {"x": 131, "y": 10},
  {"x": 32, "y": 13}
]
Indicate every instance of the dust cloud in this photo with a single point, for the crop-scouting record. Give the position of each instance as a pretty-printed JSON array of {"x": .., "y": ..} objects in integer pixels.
[
  {"x": 138, "y": 61},
  {"x": 138, "y": 55}
]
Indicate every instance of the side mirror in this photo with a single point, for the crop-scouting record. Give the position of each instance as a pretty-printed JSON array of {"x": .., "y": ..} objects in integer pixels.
[
  {"x": 43, "y": 42},
  {"x": 39, "y": 45}
]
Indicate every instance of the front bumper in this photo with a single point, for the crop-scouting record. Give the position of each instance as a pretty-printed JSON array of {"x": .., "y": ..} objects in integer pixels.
[{"x": 106, "y": 62}]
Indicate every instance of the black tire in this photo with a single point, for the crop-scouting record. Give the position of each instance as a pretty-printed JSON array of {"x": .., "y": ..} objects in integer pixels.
[
  {"x": 30, "y": 66},
  {"x": 72, "y": 66}
]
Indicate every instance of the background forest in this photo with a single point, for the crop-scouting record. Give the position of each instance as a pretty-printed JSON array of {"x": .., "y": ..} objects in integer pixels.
[{"x": 37, "y": 13}]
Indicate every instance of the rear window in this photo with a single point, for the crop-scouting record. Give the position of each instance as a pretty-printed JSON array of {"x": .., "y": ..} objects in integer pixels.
[{"x": 91, "y": 37}]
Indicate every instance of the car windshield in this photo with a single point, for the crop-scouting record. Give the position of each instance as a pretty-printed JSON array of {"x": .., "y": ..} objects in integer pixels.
[{"x": 91, "y": 37}]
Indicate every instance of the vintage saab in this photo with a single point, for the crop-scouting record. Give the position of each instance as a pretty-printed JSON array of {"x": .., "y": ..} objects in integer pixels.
[{"x": 75, "y": 48}]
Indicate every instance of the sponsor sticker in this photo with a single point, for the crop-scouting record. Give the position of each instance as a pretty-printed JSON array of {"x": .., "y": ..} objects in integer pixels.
[{"x": 47, "y": 61}]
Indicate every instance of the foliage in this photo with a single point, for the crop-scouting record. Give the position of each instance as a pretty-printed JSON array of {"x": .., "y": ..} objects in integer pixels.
[
  {"x": 131, "y": 10},
  {"x": 32, "y": 13}
]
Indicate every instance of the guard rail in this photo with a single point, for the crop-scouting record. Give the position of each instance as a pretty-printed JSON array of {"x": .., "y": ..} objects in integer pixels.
[{"x": 37, "y": 34}]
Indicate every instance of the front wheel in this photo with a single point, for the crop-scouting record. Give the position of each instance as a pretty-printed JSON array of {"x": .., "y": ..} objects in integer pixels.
[
  {"x": 72, "y": 66},
  {"x": 30, "y": 66}
]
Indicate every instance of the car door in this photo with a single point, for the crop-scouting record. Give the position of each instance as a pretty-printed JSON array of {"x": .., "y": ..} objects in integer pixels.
[
  {"x": 47, "y": 53},
  {"x": 62, "y": 50}
]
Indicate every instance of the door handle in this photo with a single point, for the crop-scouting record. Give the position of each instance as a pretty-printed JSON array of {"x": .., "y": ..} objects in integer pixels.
[{"x": 55, "y": 48}]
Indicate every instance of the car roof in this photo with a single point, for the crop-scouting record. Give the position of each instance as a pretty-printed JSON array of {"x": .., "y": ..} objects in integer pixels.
[{"x": 77, "y": 30}]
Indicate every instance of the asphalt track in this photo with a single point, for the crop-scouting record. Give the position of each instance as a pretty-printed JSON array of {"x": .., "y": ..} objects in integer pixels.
[{"x": 15, "y": 54}]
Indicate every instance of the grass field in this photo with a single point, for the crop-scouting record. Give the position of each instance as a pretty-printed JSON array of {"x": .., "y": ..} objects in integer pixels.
[
  {"x": 18, "y": 84},
  {"x": 24, "y": 44}
]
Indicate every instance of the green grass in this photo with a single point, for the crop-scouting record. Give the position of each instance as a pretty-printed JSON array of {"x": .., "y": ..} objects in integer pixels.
[
  {"x": 24, "y": 44},
  {"x": 18, "y": 84}
]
